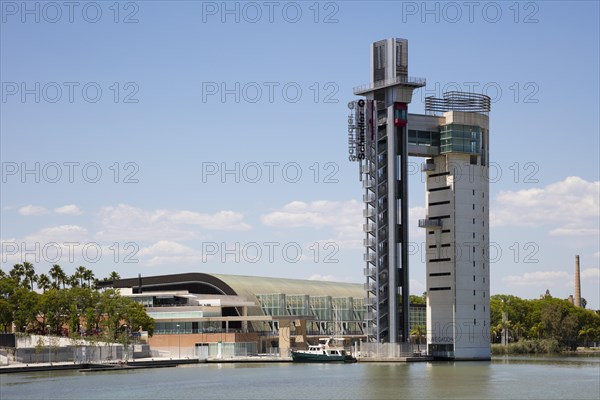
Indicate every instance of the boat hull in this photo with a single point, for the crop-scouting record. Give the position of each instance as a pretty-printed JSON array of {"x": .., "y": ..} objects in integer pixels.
[{"x": 320, "y": 358}]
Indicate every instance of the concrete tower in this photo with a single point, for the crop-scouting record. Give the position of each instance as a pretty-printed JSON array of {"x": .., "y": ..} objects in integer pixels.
[
  {"x": 577, "y": 299},
  {"x": 381, "y": 149},
  {"x": 454, "y": 137},
  {"x": 457, "y": 226}
]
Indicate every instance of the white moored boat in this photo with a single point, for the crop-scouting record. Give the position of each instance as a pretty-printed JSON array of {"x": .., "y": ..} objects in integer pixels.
[{"x": 325, "y": 351}]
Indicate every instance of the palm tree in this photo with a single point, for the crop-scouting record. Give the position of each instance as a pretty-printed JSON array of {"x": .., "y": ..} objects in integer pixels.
[
  {"x": 73, "y": 280},
  {"x": 57, "y": 273},
  {"x": 80, "y": 274},
  {"x": 17, "y": 273},
  {"x": 418, "y": 331},
  {"x": 29, "y": 273},
  {"x": 43, "y": 282},
  {"x": 504, "y": 327},
  {"x": 88, "y": 275},
  {"x": 114, "y": 276}
]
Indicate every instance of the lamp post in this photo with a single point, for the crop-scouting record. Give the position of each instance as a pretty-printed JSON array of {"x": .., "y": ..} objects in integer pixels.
[
  {"x": 49, "y": 346},
  {"x": 126, "y": 342},
  {"x": 179, "y": 340}
]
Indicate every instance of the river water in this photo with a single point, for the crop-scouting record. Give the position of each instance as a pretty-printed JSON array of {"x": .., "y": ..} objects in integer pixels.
[{"x": 502, "y": 378}]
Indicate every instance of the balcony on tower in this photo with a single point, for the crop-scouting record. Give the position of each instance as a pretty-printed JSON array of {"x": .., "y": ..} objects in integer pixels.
[
  {"x": 369, "y": 213},
  {"x": 369, "y": 228},
  {"x": 430, "y": 223},
  {"x": 370, "y": 242},
  {"x": 369, "y": 257},
  {"x": 368, "y": 183},
  {"x": 369, "y": 198},
  {"x": 371, "y": 271}
]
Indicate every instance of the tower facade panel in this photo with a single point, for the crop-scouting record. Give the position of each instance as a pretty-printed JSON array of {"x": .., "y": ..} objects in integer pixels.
[{"x": 457, "y": 240}]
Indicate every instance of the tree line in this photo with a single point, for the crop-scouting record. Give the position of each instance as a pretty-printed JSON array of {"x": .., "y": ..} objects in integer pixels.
[
  {"x": 67, "y": 305},
  {"x": 546, "y": 318}
]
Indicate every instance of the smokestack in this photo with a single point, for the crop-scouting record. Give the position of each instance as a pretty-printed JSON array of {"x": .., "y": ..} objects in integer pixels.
[{"x": 577, "y": 283}]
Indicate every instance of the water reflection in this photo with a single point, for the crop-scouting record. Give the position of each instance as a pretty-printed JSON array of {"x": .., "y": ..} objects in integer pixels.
[{"x": 503, "y": 378}]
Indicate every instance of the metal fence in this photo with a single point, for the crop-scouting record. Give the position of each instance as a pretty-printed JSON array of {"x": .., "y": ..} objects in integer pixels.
[{"x": 390, "y": 350}]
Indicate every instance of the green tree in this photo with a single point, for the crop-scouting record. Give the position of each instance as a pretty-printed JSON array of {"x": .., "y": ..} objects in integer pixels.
[
  {"x": 80, "y": 274},
  {"x": 24, "y": 305},
  {"x": 59, "y": 276},
  {"x": 43, "y": 282},
  {"x": 17, "y": 273},
  {"x": 8, "y": 286},
  {"x": 55, "y": 307},
  {"x": 417, "y": 299},
  {"x": 88, "y": 275},
  {"x": 418, "y": 332},
  {"x": 29, "y": 273}
]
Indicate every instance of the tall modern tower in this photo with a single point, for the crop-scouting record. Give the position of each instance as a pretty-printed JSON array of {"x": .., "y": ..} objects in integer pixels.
[
  {"x": 453, "y": 136},
  {"x": 383, "y": 155},
  {"x": 457, "y": 225}
]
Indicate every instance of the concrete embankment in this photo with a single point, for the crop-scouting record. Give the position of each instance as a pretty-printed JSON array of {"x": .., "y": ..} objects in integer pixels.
[{"x": 94, "y": 367}]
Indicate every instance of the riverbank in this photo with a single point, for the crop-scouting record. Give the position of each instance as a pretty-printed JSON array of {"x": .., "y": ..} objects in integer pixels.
[
  {"x": 86, "y": 367},
  {"x": 543, "y": 346}
]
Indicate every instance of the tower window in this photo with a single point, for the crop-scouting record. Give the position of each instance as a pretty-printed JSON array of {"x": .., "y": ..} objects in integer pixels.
[
  {"x": 473, "y": 235},
  {"x": 473, "y": 192}
]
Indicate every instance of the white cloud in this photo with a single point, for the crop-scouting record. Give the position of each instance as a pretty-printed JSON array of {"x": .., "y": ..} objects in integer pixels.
[
  {"x": 319, "y": 277},
  {"x": 59, "y": 234},
  {"x": 171, "y": 253},
  {"x": 572, "y": 206},
  {"x": 54, "y": 244},
  {"x": 31, "y": 210},
  {"x": 125, "y": 222},
  {"x": 9, "y": 252},
  {"x": 69, "y": 209},
  {"x": 543, "y": 279},
  {"x": 590, "y": 273},
  {"x": 317, "y": 214},
  {"x": 573, "y": 231},
  {"x": 344, "y": 217}
]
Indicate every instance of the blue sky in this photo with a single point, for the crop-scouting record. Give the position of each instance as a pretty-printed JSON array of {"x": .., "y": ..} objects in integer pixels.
[{"x": 164, "y": 100}]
